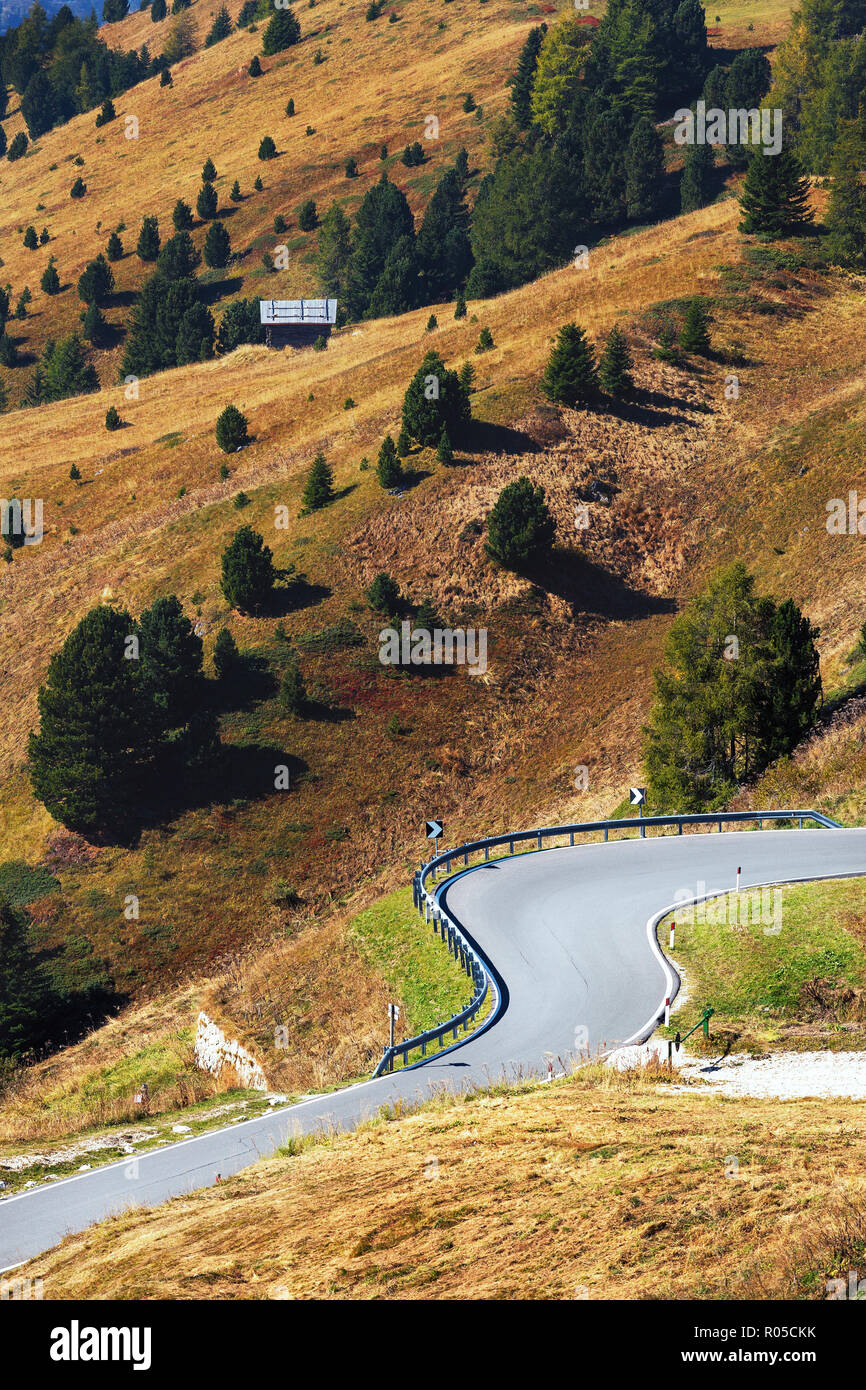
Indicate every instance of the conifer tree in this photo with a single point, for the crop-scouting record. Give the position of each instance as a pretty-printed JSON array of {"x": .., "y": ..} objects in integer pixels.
[
  {"x": 283, "y": 30},
  {"x": 644, "y": 171},
  {"x": 217, "y": 246},
  {"x": 208, "y": 173},
  {"x": 293, "y": 691},
  {"x": 93, "y": 326},
  {"x": 404, "y": 444},
  {"x": 388, "y": 469},
  {"x": 319, "y": 489},
  {"x": 114, "y": 249},
  {"x": 521, "y": 82},
  {"x": 247, "y": 571},
  {"x": 86, "y": 759},
  {"x": 696, "y": 187},
  {"x": 231, "y": 430},
  {"x": 112, "y": 419},
  {"x": 255, "y": 69},
  {"x": 181, "y": 216},
  {"x": 50, "y": 281},
  {"x": 96, "y": 281},
  {"x": 615, "y": 367},
  {"x": 571, "y": 375},
  {"x": 206, "y": 202},
  {"x": 147, "y": 248},
  {"x": 444, "y": 451},
  {"x": 520, "y": 528},
  {"x": 775, "y": 197},
  {"x": 267, "y": 148},
  {"x": 235, "y": 194},
  {"x": 435, "y": 398},
  {"x": 225, "y": 654},
  {"x": 31, "y": 240},
  {"x": 846, "y": 210},
  {"x": 334, "y": 251},
  {"x": 221, "y": 27},
  {"x": 695, "y": 336}
]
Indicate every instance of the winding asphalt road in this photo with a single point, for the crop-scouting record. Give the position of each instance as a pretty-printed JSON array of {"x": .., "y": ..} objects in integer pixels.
[{"x": 566, "y": 932}]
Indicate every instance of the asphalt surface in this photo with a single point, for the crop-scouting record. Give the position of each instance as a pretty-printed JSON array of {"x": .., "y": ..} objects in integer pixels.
[{"x": 565, "y": 931}]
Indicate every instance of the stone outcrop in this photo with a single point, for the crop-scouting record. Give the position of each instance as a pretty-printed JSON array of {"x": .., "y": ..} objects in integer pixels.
[{"x": 213, "y": 1051}]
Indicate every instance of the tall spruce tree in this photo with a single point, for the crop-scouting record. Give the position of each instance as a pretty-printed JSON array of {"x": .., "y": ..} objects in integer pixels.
[
  {"x": 334, "y": 251},
  {"x": 696, "y": 186},
  {"x": 382, "y": 219},
  {"x": 521, "y": 82},
  {"x": 615, "y": 367},
  {"x": 388, "y": 469},
  {"x": 775, "y": 197},
  {"x": 147, "y": 248},
  {"x": 740, "y": 686},
  {"x": 217, "y": 246},
  {"x": 435, "y": 399},
  {"x": 282, "y": 32},
  {"x": 443, "y": 245},
  {"x": 846, "y": 210},
  {"x": 695, "y": 336},
  {"x": 644, "y": 171},
  {"x": 571, "y": 376},
  {"x": 319, "y": 489}
]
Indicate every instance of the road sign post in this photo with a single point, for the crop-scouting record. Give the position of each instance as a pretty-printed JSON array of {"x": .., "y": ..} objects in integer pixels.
[
  {"x": 637, "y": 797},
  {"x": 393, "y": 1015}
]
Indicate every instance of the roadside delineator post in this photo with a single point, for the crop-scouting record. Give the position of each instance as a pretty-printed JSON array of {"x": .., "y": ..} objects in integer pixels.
[
  {"x": 738, "y": 878},
  {"x": 667, "y": 1011},
  {"x": 673, "y": 925}
]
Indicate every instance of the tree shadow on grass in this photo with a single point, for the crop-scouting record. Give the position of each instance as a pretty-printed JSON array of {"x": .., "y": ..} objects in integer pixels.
[
  {"x": 249, "y": 683},
  {"x": 590, "y": 589},
  {"x": 121, "y": 299},
  {"x": 323, "y": 713},
  {"x": 217, "y": 289},
  {"x": 483, "y": 437},
  {"x": 295, "y": 593},
  {"x": 652, "y": 409},
  {"x": 248, "y": 771}
]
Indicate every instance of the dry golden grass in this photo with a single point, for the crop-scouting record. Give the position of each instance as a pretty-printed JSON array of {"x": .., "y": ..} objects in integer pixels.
[
  {"x": 379, "y": 83},
  {"x": 502, "y": 752},
  {"x": 598, "y": 1187}
]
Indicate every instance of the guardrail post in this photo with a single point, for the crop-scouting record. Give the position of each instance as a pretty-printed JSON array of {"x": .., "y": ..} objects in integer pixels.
[
  {"x": 510, "y": 846},
  {"x": 720, "y": 825},
  {"x": 605, "y": 834},
  {"x": 539, "y": 839},
  {"x": 679, "y": 827},
  {"x": 801, "y": 822},
  {"x": 486, "y": 852},
  {"x": 571, "y": 837},
  {"x": 466, "y": 856},
  {"x": 642, "y": 831}
]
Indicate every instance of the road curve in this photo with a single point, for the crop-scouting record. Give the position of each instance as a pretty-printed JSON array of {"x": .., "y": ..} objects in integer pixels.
[{"x": 566, "y": 933}]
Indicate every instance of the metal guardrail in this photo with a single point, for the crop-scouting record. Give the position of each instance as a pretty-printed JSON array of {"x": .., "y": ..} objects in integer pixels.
[{"x": 471, "y": 959}]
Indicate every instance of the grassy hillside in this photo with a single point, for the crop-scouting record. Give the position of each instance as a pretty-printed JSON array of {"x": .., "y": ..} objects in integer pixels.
[
  {"x": 700, "y": 478},
  {"x": 600, "y": 1186},
  {"x": 378, "y": 84}
]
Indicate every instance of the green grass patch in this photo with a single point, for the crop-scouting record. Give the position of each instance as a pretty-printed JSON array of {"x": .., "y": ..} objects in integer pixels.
[
  {"x": 413, "y": 960},
  {"x": 779, "y": 966}
]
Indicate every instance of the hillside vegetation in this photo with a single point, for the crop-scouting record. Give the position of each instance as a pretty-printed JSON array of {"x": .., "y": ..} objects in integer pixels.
[
  {"x": 696, "y": 479},
  {"x": 599, "y": 1186}
]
